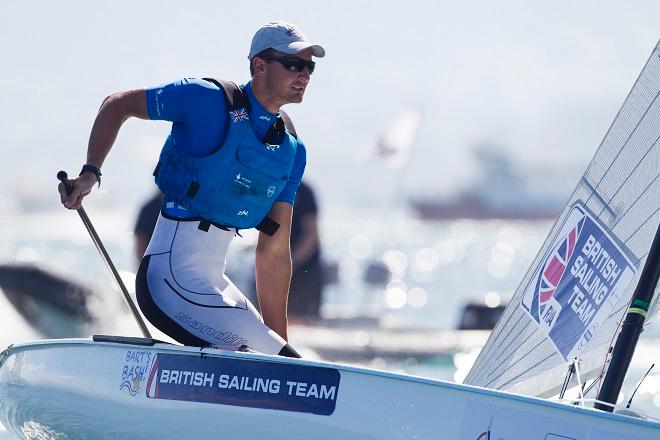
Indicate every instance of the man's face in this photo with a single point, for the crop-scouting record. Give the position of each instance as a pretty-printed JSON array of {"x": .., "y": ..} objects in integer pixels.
[{"x": 287, "y": 85}]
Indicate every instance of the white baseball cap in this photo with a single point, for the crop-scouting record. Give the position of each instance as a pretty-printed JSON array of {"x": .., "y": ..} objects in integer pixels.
[{"x": 283, "y": 37}]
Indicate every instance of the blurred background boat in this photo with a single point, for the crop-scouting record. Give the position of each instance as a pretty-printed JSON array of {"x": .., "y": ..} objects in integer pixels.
[
  {"x": 54, "y": 306},
  {"x": 502, "y": 190}
]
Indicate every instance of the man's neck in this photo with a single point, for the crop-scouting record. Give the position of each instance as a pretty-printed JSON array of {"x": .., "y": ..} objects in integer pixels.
[{"x": 261, "y": 93}]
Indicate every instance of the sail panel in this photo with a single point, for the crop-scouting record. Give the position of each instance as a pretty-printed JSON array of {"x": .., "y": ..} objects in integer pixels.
[{"x": 618, "y": 199}]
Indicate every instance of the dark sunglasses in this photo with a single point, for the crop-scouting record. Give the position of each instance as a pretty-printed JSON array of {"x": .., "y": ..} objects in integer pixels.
[{"x": 293, "y": 64}]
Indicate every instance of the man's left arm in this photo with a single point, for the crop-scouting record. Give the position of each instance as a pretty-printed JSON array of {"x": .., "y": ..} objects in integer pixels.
[{"x": 273, "y": 269}]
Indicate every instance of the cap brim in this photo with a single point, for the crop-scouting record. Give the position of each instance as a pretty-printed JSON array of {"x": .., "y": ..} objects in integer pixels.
[{"x": 299, "y": 46}]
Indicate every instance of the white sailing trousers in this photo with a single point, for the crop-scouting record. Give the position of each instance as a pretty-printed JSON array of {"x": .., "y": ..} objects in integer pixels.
[{"x": 182, "y": 289}]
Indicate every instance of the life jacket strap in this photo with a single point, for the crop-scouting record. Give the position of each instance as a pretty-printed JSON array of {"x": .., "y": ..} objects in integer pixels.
[
  {"x": 268, "y": 226},
  {"x": 275, "y": 133},
  {"x": 234, "y": 95},
  {"x": 288, "y": 123},
  {"x": 204, "y": 225}
]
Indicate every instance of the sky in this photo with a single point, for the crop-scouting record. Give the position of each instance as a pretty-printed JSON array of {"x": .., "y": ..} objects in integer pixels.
[{"x": 542, "y": 80}]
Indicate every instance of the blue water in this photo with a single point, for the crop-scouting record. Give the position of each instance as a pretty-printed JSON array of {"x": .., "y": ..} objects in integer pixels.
[{"x": 436, "y": 269}]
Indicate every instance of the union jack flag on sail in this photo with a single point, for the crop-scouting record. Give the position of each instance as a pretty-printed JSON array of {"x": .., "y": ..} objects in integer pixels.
[{"x": 555, "y": 266}]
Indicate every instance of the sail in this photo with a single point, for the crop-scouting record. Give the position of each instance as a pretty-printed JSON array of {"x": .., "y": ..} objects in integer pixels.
[
  {"x": 394, "y": 144},
  {"x": 571, "y": 300}
]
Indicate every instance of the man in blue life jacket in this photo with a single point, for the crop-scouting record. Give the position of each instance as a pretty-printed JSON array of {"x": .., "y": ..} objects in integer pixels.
[{"x": 232, "y": 161}]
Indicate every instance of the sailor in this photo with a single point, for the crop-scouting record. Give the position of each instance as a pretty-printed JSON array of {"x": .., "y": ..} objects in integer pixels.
[{"x": 232, "y": 161}]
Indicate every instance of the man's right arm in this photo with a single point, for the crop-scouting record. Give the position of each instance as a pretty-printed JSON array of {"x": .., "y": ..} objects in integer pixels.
[{"x": 114, "y": 110}]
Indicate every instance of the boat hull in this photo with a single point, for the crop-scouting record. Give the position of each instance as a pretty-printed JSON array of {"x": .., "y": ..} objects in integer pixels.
[{"x": 83, "y": 388}]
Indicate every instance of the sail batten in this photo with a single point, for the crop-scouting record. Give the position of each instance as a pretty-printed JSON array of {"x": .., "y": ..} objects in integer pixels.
[
  {"x": 516, "y": 378},
  {"x": 624, "y": 149},
  {"x": 513, "y": 343},
  {"x": 634, "y": 171},
  {"x": 645, "y": 223},
  {"x": 571, "y": 300},
  {"x": 525, "y": 355}
]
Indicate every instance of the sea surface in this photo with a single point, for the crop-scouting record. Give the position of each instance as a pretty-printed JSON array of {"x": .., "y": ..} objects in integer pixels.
[{"x": 435, "y": 269}]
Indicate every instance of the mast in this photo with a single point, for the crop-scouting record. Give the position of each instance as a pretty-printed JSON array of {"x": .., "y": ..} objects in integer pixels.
[{"x": 632, "y": 328}]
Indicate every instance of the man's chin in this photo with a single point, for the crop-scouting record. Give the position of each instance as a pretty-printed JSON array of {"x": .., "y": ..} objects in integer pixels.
[{"x": 296, "y": 98}]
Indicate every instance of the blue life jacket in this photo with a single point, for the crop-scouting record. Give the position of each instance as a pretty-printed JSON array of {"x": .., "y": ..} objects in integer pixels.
[{"x": 236, "y": 185}]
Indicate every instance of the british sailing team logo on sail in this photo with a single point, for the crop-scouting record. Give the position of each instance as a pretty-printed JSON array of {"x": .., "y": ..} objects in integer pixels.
[{"x": 578, "y": 282}]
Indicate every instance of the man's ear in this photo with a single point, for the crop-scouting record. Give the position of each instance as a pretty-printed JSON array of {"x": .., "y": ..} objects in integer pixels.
[{"x": 259, "y": 65}]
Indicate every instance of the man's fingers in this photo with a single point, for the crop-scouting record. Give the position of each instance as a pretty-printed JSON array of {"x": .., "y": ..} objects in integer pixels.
[
  {"x": 80, "y": 187},
  {"x": 60, "y": 189},
  {"x": 72, "y": 200},
  {"x": 79, "y": 200}
]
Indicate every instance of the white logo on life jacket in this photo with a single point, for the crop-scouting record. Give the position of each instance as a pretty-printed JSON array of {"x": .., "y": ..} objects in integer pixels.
[
  {"x": 243, "y": 181},
  {"x": 270, "y": 191},
  {"x": 242, "y": 212},
  {"x": 240, "y": 178},
  {"x": 159, "y": 105},
  {"x": 272, "y": 147},
  {"x": 265, "y": 118}
]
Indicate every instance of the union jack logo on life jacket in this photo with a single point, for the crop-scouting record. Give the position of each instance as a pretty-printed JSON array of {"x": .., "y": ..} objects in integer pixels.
[{"x": 239, "y": 115}]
